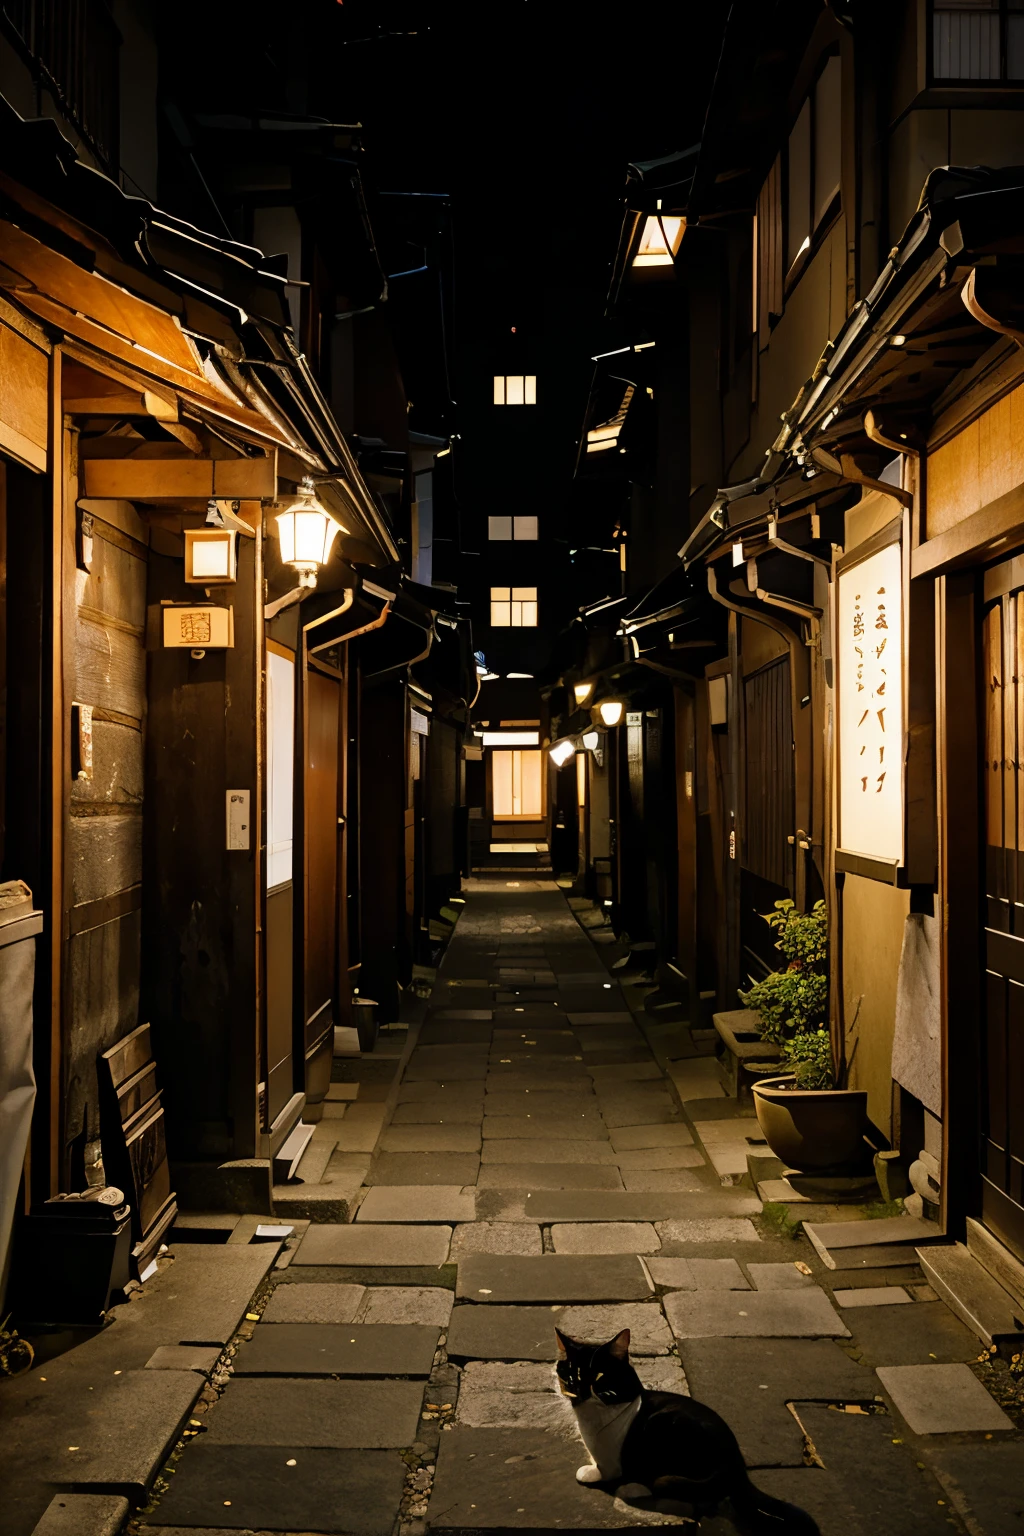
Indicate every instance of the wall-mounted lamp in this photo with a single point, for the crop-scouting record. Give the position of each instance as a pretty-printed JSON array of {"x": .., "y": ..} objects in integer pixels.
[
  {"x": 306, "y": 533},
  {"x": 611, "y": 711},
  {"x": 210, "y": 556},
  {"x": 591, "y": 740},
  {"x": 582, "y": 692},
  {"x": 561, "y": 752}
]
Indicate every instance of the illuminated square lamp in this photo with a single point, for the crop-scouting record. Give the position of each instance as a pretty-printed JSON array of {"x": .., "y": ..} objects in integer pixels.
[{"x": 210, "y": 556}]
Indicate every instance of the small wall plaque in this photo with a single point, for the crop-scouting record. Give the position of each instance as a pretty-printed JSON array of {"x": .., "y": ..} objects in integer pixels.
[
  {"x": 237, "y": 819},
  {"x": 206, "y": 628}
]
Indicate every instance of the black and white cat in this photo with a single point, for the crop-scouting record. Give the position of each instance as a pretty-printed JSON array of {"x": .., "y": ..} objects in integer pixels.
[{"x": 661, "y": 1443}]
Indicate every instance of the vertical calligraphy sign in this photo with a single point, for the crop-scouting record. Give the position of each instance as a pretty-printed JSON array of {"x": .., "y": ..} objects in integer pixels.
[{"x": 870, "y": 681}]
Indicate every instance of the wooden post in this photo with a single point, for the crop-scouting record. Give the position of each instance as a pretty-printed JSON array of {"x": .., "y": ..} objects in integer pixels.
[
  {"x": 59, "y": 763},
  {"x": 960, "y": 844}
]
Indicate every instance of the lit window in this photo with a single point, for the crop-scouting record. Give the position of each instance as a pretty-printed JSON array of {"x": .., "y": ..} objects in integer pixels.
[
  {"x": 511, "y": 527},
  {"x": 514, "y": 607},
  {"x": 660, "y": 240},
  {"x": 600, "y": 439},
  {"x": 515, "y": 389}
]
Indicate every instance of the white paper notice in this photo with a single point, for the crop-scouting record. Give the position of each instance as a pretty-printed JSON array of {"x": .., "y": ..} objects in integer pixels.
[
  {"x": 870, "y": 655},
  {"x": 238, "y": 818}
]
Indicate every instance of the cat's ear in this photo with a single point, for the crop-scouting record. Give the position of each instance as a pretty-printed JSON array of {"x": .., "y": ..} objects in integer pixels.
[
  {"x": 564, "y": 1343},
  {"x": 619, "y": 1346}
]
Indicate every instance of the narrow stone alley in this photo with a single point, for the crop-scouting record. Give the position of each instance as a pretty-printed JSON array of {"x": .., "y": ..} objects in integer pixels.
[{"x": 548, "y": 1151}]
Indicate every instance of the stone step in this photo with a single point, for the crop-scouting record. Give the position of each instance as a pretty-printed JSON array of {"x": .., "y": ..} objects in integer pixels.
[
  {"x": 313, "y": 1163},
  {"x": 333, "y": 1201},
  {"x": 999, "y": 1261},
  {"x": 835, "y": 1240},
  {"x": 977, "y": 1299}
]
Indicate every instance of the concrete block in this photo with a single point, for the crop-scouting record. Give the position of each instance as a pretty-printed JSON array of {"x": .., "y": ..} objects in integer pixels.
[
  {"x": 417, "y": 1203},
  {"x": 605, "y": 1237},
  {"x": 377, "y": 1245},
  {"x": 754, "y": 1314},
  {"x": 83, "y": 1514}
]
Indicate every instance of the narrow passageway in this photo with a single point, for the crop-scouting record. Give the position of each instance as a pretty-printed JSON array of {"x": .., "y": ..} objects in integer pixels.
[{"x": 554, "y": 1154}]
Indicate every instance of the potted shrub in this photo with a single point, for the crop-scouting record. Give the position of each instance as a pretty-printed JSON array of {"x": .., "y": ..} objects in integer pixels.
[{"x": 807, "y": 1120}]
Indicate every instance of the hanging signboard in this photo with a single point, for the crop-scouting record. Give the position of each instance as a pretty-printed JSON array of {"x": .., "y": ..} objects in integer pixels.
[{"x": 869, "y": 657}]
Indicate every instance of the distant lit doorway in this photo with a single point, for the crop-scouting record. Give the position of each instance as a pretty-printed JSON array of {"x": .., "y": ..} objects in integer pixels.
[{"x": 517, "y": 785}]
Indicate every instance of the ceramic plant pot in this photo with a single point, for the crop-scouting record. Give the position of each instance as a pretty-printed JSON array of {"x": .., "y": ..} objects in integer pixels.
[{"x": 812, "y": 1128}]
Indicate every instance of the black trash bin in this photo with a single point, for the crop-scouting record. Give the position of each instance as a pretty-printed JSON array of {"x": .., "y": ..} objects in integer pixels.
[{"x": 72, "y": 1253}]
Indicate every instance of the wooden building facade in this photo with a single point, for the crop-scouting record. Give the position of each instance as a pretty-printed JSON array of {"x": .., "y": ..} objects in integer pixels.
[{"x": 198, "y": 732}]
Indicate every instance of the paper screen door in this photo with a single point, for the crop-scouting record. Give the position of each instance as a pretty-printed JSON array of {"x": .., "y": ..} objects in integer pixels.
[{"x": 517, "y": 785}]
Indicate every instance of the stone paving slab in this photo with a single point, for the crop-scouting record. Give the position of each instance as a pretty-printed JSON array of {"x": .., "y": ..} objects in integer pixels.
[
  {"x": 712, "y": 1229},
  {"x": 551, "y": 1039},
  {"x": 943, "y": 1400},
  {"x": 580, "y": 1127},
  {"x": 424, "y": 1168},
  {"x": 756, "y": 1314},
  {"x": 387, "y": 1246},
  {"x": 503, "y": 1333},
  {"x": 453, "y": 1093},
  {"x": 519, "y": 1479},
  {"x": 869, "y": 1487},
  {"x": 397, "y": 1304},
  {"x": 546, "y": 1149},
  {"x": 617, "y": 1015},
  {"x": 605, "y": 1237},
  {"x": 660, "y": 1159},
  {"x": 872, "y": 1296},
  {"x": 649, "y": 1334},
  {"x": 297, "y": 1302},
  {"x": 631, "y": 1138},
  {"x": 495, "y": 1237},
  {"x": 83, "y": 1514},
  {"x": 558, "y": 1278},
  {"x": 619, "y": 1056},
  {"x": 545, "y": 1103},
  {"x": 454, "y": 1072},
  {"x": 416, "y": 1203},
  {"x": 698, "y": 1274},
  {"x": 629, "y": 1072},
  {"x": 750, "y": 1381},
  {"x": 430, "y": 1138},
  {"x": 249, "y": 1487},
  {"x": 438, "y": 1112},
  {"x": 356, "y": 1415},
  {"x": 473, "y": 1015},
  {"x": 184, "y": 1357},
  {"x": 515, "y": 1080},
  {"x": 338, "y": 1349},
  {"x": 694, "y": 1210},
  {"x": 517, "y": 1395},
  {"x": 661, "y": 1180},
  {"x": 618, "y": 1110},
  {"x": 915, "y": 1335},
  {"x": 549, "y": 1176},
  {"x": 984, "y": 1489},
  {"x": 454, "y": 1032},
  {"x": 779, "y": 1277}
]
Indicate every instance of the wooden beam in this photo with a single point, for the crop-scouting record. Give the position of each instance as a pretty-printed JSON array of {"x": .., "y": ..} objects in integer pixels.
[
  {"x": 122, "y": 404},
  {"x": 976, "y": 538},
  {"x": 175, "y": 479}
]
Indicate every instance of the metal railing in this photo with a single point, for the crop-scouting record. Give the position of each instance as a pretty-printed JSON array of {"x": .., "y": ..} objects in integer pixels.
[{"x": 73, "y": 47}]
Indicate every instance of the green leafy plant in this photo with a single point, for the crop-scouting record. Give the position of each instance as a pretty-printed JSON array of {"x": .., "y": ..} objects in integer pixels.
[
  {"x": 809, "y": 1056},
  {"x": 793, "y": 1002}
]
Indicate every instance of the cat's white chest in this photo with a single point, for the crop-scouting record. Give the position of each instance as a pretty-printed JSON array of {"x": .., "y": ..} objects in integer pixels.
[{"x": 603, "y": 1428}]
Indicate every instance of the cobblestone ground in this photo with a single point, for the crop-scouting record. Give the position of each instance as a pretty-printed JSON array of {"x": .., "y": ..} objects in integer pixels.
[{"x": 551, "y": 1150}]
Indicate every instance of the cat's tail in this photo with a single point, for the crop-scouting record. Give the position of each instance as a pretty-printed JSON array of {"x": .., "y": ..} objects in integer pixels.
[{"x": 763, "y": 1515}]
